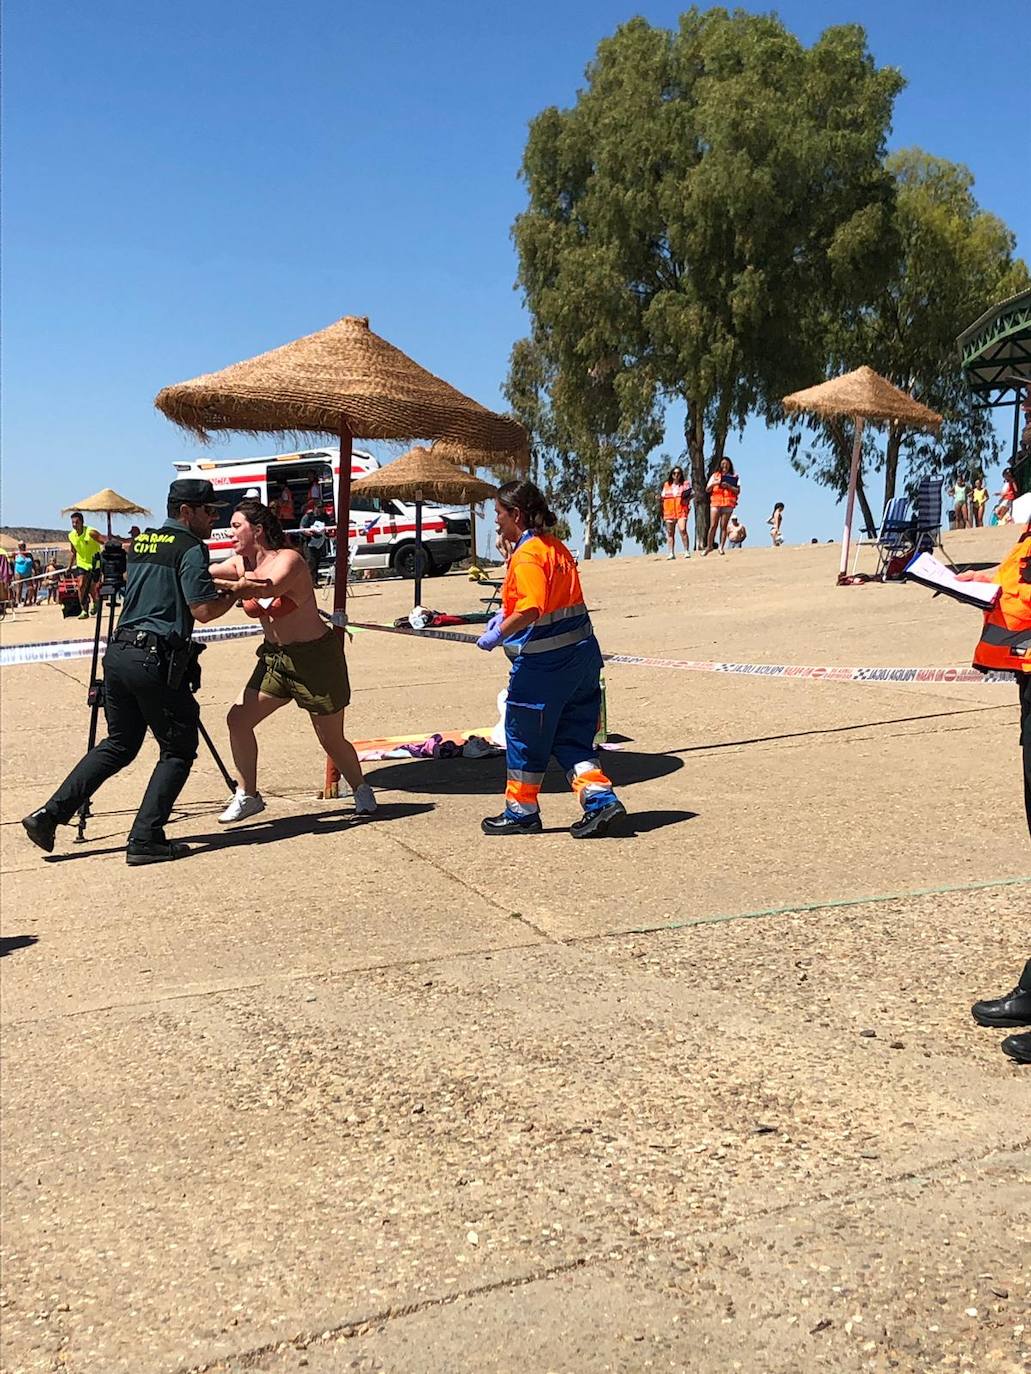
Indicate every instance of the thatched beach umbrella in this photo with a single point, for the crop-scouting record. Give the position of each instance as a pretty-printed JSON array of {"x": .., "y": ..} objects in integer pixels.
[
  {"x": 110, "y": 503},
  {"x": 420, "y": 475},
  {"x": 505, "y": 467},
  {"x": 344, "y": 380},
  {"x": 865, "y": 395}
]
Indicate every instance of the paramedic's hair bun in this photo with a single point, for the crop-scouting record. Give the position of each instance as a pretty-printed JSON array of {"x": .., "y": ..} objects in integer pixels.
[{"x": 529, "y": 501}]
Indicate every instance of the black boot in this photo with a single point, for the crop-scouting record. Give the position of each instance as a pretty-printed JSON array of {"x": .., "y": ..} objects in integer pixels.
[
  {"x": 139, "y": 852},
  {"x": 597, "y": 822},
  {"x": 1018, "y": 1047},
  {"x": 41, "y": 828},
  {"x": 506, "y": 825},
  {"x": 1013, "y": 1009}
]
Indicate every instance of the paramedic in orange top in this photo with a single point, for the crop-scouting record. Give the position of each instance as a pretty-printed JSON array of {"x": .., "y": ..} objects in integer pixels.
[
  {"x": 554, "y": 691},
  {"x": 675, "y": 505},
  {"x": 300, "y": 659},
  {"x": 1005, "y": 642}
]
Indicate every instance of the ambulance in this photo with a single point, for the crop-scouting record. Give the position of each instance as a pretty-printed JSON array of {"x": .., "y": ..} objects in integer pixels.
[{"x": 382, "y": 533}]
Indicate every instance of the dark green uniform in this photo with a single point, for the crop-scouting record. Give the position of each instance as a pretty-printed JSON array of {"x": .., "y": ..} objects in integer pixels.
[
  {"x": 167, "y": 573},
  {"x": 145, "y": 678}
]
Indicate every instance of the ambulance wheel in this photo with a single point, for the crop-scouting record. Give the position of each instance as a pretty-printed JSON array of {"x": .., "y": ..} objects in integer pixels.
[
  {"x": 439, "y": 569},
  {"x": 406, "y": 558}
]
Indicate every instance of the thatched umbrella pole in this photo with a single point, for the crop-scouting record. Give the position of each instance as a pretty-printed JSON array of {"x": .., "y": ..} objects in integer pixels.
[
  {"x": 418, "y": 548},
  {"x": 850, "y": 504},
  {"x": 343, "y": 550}
]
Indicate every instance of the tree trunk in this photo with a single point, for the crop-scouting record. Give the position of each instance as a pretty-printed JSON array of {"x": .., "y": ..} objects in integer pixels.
[
  {"x": 694, "y": 438},
  {"x": 891, "y": 461},
  {"x": 864, "y": 503},
  {"x": 589, "y": 521}
]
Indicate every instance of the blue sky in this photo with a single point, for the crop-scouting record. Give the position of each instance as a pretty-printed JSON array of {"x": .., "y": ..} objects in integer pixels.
[{"x": 189, "y": 185}]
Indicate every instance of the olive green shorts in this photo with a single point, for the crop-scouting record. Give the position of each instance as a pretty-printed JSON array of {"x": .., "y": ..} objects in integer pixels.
[{"x": 313, "y": 673}]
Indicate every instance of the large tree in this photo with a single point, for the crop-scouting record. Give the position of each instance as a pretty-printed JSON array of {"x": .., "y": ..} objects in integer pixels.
[
  {"x": 953, "y": 260},
  {"x": 711, "y": 194},
  {"x": 591, "y": 453}
]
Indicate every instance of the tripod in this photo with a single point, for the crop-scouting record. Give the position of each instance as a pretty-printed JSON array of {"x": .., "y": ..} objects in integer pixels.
[{"x": 109, "y": 588}]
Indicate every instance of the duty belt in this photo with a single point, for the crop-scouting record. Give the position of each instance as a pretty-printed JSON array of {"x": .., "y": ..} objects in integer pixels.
[{"x": 141, "y": 639}]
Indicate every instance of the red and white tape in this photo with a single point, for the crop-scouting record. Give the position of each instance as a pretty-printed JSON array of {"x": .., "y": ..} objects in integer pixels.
[{"x": 55, "y": 651}]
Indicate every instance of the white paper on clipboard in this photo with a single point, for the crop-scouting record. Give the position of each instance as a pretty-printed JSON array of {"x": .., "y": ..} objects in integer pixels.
[{"x": 926, "y": 570}]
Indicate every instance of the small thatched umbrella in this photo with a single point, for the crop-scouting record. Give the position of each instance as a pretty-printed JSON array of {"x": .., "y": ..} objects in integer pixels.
[
  {"x": 110, "y": 503},
  {"x": 422, "y": 475},
  {"x": 344, "y": 380},
  {"x": 506, "y": 467},
  {"x": 865, "y": 395}
]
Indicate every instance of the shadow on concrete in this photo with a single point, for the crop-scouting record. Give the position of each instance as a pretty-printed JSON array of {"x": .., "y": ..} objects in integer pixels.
[
  {"x": 271, "y": 830},
  {"x": 840, "y": 729},
  {"x": 9, "y": 943},
  {"x": 486, "y": 777},
  {"x": 644, "y": 822}
]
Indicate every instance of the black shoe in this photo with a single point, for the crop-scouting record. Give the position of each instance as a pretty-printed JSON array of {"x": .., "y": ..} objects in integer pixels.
[
  {"x": 41, "y": 828},
  {"x": 505, "y": 825},
  {"x": 596, "y": 822},
  {"x": 1014, "y": 1009},
  {"x": 153, "y": 852},
  {"x": 1018, "y": 1047}
]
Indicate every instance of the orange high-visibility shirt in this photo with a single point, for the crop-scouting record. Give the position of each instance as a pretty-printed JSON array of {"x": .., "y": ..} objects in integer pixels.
[
  {"x": 1005, "y": 641},
  {"x": 542, "y": 576},
  {"x": 676, "y": 498}
]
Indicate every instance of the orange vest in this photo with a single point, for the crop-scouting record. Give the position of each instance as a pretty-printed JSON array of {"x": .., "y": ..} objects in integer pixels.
[
  {"x": 675, "y": 500},
  {"x": 1005, "y": 642}
]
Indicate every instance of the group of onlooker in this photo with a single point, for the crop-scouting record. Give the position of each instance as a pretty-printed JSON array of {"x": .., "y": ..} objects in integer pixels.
[
  {"x": 970, "y": 500},
  {"x": 23, "y": 579},
  {"x": 724, "y": 491}
]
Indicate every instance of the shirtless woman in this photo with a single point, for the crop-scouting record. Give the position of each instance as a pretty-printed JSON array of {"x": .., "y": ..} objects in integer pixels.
[{"x": 300, "y": 659}]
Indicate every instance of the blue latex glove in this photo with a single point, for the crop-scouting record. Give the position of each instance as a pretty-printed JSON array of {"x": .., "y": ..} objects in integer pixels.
[{"x": 491, "y": 637}]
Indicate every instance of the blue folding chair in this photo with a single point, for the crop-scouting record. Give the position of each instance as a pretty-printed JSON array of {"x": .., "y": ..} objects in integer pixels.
[
  {"x": 927, "y": 533},
  {"x": 895, "y": 536}
]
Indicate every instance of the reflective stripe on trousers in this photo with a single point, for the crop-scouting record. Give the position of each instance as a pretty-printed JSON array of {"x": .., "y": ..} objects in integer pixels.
[
  {"x": 587, "y": 779},
  {"x": 521, "y": 791}
]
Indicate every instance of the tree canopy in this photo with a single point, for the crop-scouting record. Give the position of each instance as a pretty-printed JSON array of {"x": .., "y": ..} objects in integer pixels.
[
  {"x": 710, "y": 199},
  {"x": 952, "y": 260}
]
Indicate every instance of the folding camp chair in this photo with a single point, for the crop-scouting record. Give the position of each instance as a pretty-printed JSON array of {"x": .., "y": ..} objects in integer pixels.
[
  {"x": 927, "y": 535},
  {"x": 493, "y": 601},
  {"x": 895, "y": 537}
]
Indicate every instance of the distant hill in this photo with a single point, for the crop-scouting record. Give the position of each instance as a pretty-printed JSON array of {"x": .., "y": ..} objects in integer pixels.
[{"x": 32, "y": 534}]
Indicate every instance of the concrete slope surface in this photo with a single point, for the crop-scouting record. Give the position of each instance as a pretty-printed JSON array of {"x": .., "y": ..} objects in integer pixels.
[{"x": 391, "y": 1096}]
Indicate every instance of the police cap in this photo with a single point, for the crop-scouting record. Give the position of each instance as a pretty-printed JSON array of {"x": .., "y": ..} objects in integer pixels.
[{"x": 191, "y": 491}]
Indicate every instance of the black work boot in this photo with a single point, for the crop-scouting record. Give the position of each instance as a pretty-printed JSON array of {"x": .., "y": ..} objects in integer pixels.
[
  {"x": 1012, "y": 1009},
  {"x": 597, "y": 822},
  {"x": 508, "y": 825},
  {"x": 1018, "y": 1047},
  {"x": 41, "y": 828},
  {"x": 139, "y": 852}
]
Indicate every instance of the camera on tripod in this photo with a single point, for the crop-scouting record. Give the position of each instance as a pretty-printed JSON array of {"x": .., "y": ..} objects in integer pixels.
[{"x": 111, "y": 563}]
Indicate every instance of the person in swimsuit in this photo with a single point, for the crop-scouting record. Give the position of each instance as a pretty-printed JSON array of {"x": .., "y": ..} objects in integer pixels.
[
  {"x": 978, "y": 498},
  {"x": 300, "y": 659},
  {"x": 1007, "y": 495}
]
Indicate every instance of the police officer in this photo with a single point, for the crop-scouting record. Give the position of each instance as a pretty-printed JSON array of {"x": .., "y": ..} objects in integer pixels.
[{"x": 146, "y": 667}]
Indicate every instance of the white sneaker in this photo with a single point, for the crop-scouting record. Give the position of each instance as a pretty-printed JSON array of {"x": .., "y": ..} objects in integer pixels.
[
  {"x": 241, "y": 807},
  {"x": 687, "y": 555},
  {"x": 364, "y": 800},
  {"x": 670, "y": 557}
]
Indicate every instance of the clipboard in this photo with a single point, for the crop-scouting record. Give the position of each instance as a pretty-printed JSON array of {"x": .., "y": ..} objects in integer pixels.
[{"x": 936, "y": 577}]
